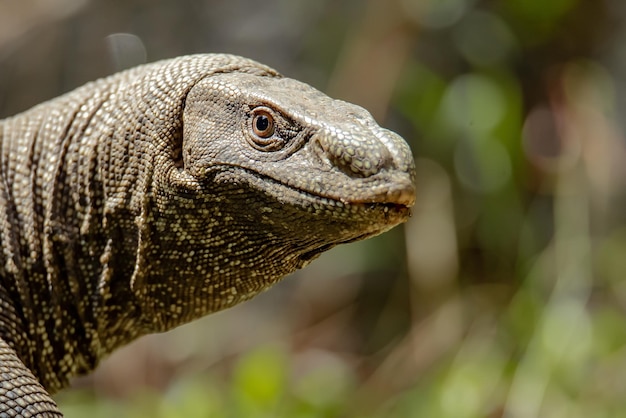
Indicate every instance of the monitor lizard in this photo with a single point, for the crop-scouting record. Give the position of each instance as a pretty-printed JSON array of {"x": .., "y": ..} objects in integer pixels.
[{"x": 155, "y": 196}]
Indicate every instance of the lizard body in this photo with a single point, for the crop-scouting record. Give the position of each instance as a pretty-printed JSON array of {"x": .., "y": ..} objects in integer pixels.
[{"x": 155, "y": 196}]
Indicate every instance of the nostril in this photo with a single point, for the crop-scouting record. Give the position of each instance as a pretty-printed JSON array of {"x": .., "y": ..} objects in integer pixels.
[{"x": 322, "y": 156}]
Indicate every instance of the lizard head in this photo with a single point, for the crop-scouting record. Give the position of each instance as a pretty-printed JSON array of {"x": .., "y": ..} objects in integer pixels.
[
  {"x": 269, "y": 173},
  {"x": 306, "y": 151}
]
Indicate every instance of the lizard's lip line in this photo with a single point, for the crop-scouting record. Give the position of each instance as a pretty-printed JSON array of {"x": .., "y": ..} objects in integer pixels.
[{"x": 399, "y": 206}]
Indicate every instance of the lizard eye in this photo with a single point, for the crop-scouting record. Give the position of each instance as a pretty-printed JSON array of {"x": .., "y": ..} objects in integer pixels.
[
  {"x": 264, "y": 135},
  {"x": 262, "y": 123}
]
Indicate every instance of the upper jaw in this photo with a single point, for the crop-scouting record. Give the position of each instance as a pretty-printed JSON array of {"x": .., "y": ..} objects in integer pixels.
[{"x": 400, "y": 192}]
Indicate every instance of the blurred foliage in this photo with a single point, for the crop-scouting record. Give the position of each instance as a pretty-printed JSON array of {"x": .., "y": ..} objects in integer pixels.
[{"x": 503, "y": 296}]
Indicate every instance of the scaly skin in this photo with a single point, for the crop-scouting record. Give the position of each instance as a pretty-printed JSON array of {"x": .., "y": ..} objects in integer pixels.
[{"x": 158, "y": 195}]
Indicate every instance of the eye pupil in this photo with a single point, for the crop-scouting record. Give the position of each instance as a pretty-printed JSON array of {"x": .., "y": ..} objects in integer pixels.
[{"x": 262, "y": 123}]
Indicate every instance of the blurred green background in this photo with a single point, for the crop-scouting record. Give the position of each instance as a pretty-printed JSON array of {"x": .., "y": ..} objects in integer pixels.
[{"x": 503, "y": 296}]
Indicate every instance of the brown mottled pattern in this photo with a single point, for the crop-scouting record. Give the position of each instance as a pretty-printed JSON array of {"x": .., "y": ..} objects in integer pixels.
[{"x": 147, "y": 199}]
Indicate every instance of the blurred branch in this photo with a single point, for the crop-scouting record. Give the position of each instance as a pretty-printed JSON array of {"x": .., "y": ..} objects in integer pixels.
[
  {"x": 18, "y": 17},
  {"x": 373, "y": 57},
  {"x": 564, "y": 330}
]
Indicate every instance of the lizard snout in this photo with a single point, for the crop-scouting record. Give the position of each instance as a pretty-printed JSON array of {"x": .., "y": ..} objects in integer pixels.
[
  {"x": 356, "y": 154},
  {"x": 376, "y": 155}
]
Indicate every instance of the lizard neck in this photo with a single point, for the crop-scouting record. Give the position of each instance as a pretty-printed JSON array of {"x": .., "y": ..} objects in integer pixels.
[{"x": 66, "y": 258}]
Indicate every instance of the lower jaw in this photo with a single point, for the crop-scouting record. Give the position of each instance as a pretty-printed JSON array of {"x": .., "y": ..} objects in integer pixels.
[{"x": 310, "y": 255}]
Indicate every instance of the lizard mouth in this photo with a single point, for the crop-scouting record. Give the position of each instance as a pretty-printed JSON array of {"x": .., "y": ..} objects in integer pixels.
[
  {"x": 395, "y": 199},
  {"x": 376, "y": 211}
]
